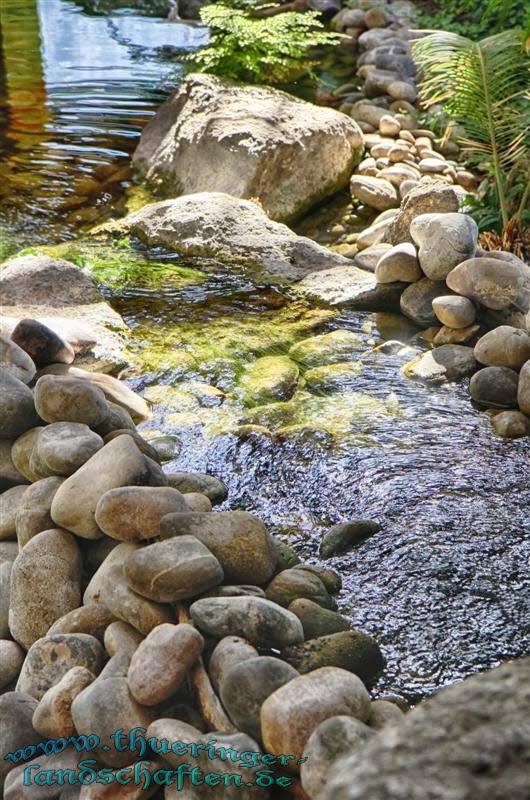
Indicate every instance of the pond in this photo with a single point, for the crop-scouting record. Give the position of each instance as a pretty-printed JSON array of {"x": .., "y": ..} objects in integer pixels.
[{"x": 444, "y": 585}]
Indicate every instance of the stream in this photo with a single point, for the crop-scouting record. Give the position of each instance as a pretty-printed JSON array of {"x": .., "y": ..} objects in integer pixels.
[{"x": 444, "y": 586}]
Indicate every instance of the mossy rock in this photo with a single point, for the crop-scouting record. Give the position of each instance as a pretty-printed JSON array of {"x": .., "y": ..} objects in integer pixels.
[
  {"x": 328, "y": 348},
  {"x": 333, "y": 377},
  {"x": 269, "y": 379}
]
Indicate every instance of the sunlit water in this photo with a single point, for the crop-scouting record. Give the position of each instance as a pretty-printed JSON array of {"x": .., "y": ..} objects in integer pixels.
[{"x": 444, "y": 586}]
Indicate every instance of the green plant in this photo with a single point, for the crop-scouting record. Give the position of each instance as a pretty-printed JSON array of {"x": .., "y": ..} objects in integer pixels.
[
  {"x": 259, "y": 50},
  {"x": 483, "y": 86},
  {"x": 476, "y": 20}
]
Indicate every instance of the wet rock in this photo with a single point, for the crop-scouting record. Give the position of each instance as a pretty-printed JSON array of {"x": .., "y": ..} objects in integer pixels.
[
  {"x": 383, "y": 713},
  {"x": 503, "y": 347},
  {"x": 328, "y": 348},
  {"x": 114, "y": 390},
  {"x": 239, "y": 541},
  {"x": 42, "y": 344},
  {"x": 103, "y": 708},
  {"x": 9, "y": 474},
  {"x": 63, "y": 447},
  {"x": 374, "y": 192},
  {"x": 21, "y": 452},
  {"x": 291, "y": 713},
  {"x": 456, "y": 335},
  {"x": 450, "y": 362},
  {"x": 263, "y": 623},
  {"x": 247, "y": 685},
  {"x": 287, "y": 555},
  {"x": 51, "y": 657},
  {"x": 45, "y": 585},
  {"x": 292, "y": 584},
  {"x": 444, "y": 241},
  {"x": 432, "y": 198},
  {"x": 510, "y": 424},
  {"x": 349, "y": 286},
  {"x": 53, "y": 716},
  {"x": 59, "y": 399},
  {"x": 131, "y": 513},
  {"x": 268, "y": 379},
  {"x": 454, "y": 311},
  {"x": 127, "y": 606},
  {"x": 317, "y": 621},
  {"x": 16, "y": 730},
  {"x": 120, "y": 637},
  {"x": 417, "y": 299},
  {"x": 495, "y": 387},
  {"x": 333, "y": 739},
  {"x": 15, "y": 361},
  {"x": 486, "y": 282},
  {"x": 10, "y": 501},
  {"x": 342, "y": 537},
  {"x": 118, "y": 463},
  {"x": 92, "y": 619},
  {"x": 400, "y": 263},
  {"x": 17, "y": 410},
  {"x": 333, "y": 377},
  {"x": 481, "y": 751},
  {"x": 11, "y": 660},
  {"x": 350, "y": 650},
  {"x": 34, "y": 512},
  {"x": 227, "y": 653},
  {"x": 208, "y": 119},
  {"x": 44, "y": 281},
  {"x": 159, "y": 665},
  {"x": 176, "y": 569},
  {"x": 214, "y": 489}
]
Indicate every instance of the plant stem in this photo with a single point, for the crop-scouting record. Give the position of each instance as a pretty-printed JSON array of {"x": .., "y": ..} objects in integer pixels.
[{"x": 524, "y": 198}]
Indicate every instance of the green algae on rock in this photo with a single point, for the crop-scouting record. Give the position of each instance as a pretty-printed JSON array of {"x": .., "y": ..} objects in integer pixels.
[{"x": 269, "y": 378}]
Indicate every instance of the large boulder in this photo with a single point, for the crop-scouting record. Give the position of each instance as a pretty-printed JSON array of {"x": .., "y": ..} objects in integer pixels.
[
  {"x": 286, "y": 153},
  {"x": 469, "y": 741},
  {"x": 216, "y": 225},
  {"x": 492, "y": 282},
  {"x": 444, "y": 241}
]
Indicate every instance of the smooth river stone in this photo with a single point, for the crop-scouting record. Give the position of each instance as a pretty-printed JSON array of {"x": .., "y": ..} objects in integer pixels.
[
  {"x": 120, "y": 637},
  {"x": 9, "y": 504},
  {"x": 523, "y": 394},
  {"x": 118, "y": 463},
  {"x": 214, "y": 489},
  {"x": 62, "y": 399},
  {"x": 160, "y": 664},
  {"x": 345, "y": 535},
  {"x": 5, "y": 580},
  {"x": 291, "y": 584},
  {"x": 66, "y": 446},
  {"x": 495, "y": 387},
  {"x": 53, "y": 716},
  {"x": 334, "y": 738},
  {"x": 133, "y": 513},
  {"x": 227, "y": 653},
  {"x": 454, "y": 311},
  {"x": 116, "y": 556},
  {"x": 16, "y": 730},
  {"x": 444, "y": 241},
  {"x": 247, "y": 685},
  {"x": 350, "y": 650},
  {"x": 34, "y": 512},
  {"x": 51, "y": 657},
  {"x": 383, "y": 713},
  {"x": 41, "y": 343},
  {"x": 127, "y": 606},
  {"x": 45, "y": 584},
  {"x": 262, "y": 623},
  {"x": 317, "y": 621},
  {"x": 176, "y": 569},
  {"x": 503, "y": 347},
  {"x": 21, "y": 451},
  {"x": 17, "y": 409},
  {"x": 11, "y": 659},
  {"x": 92, "y": 619},
  {"x": 14, "y": 360},
  {"x": 103, "y": 708},
  {"x": 196, "y": 501},
  {"x": 239, "y": 541},
  {"x": 492, "y": 284},
  {"x": 290, "y": 715},
  {"x": 9, "y": 474}
]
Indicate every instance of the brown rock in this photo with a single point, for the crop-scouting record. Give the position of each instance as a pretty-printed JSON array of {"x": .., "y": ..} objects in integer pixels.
[
  {"x": 92, "y": 619},
  {"x": 63, "y": 399},
  {"x": 9, "y": 504},
  {"x": 120, "y": 637},
  {"x": 34, "y": 513},
  {"x": 132, "y": 513},
  {"x": 126, "y": 605},
  {"x": 53, "y": 717}
]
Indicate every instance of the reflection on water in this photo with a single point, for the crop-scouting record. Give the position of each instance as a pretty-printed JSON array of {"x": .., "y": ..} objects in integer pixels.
[{"x": 75, "y": 92}]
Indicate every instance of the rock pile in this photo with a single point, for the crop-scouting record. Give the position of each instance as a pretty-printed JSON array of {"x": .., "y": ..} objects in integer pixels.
[{"x": 126, "y": 602}]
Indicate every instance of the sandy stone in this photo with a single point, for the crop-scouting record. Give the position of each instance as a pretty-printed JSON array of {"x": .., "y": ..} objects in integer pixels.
[
  {"x": 127, "y": 606},
  {"x": 10, "y": 501},
  {"x": 11, "y": 659},
  {"x": 120, "y": 637},
  {"x": 131, "y": 513},
  {"x": 53, "y": 717},
  {"x": 92, "y": 619},
  {"x": 34, "y": 512}
]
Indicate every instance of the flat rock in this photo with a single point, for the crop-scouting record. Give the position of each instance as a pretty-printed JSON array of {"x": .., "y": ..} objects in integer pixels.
[
  {"x": 307, "y": 155},
  {"x": 351, "y": 287}
]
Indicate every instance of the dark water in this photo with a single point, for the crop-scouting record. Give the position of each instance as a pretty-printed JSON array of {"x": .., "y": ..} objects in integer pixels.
[{"x": 444, "y": 586}]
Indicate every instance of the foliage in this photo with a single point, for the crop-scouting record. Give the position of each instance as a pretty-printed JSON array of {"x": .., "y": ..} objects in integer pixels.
[
  {"x": 483, "y": 86},
  {"x": 470, "y": 18},
  {"x": 259, "y": 50}
]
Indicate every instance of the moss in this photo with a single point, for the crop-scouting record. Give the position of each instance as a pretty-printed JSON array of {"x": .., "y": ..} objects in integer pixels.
[
  {"x": 333, "y": 377},
  {"x": 269, "y": 378},
  {"x": 328, "y": 348}
]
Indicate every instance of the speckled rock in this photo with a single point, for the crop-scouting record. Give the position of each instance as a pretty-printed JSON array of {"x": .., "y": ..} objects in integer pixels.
[
  {"x": 491, "y": 284},
  {"x": 344, "y": 536},
  {"x": 262, "y": 623},
  {"x": 51, "y": 657},
  {"x": 383, "y": 713},
  {"x": 228, "y": 653},
  {"x": 239, "y": 541},
  {"x": 176, "y": 569},
  {"x": 34, "y": 512},
  {"x": 45, "y": 584},
  {"x": 16, "y": 730},
  {"x": 11, "y": 660},
  {"x": 62, "y": 399},
  {"x": 291, "y": 713},
  {"x": 131, "y": 513},
  {"x": 333, "y": 739},
  {"x": 433, "y": 197},
  {"x": 159, "y": 665},
  {"x": 53, "y": 717},
  {"x": 495, "y": 387},
  {"x": 416, "y": 301},
  {"x": 17, "y": 409},
  {"x": 291, "y": 584}
]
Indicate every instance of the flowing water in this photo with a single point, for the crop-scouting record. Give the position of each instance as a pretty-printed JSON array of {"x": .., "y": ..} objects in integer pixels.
[{"x": 444, "y": 586}]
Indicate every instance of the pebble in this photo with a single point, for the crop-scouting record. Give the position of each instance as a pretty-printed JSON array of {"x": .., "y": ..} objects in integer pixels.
[
  {"x": 63, "y": 399},
  {"x": 263, "y": 623},
  {"x": 196, "y": 501},
  {"x": 127, "y": 606},
  {"x": 161, "y": 662},
  {"x": 291, "y": 713},
  {"x": 17, "y": 409},
  {"x": 416, "y": 301},
  {"x": 41, "y": 343},
  {"x": 11, "y": 660},
  {"x": 115, "y": 556},
  {"x": 352, "y": 650},
  {"x": 291, "y": 584},
  {"x": 176, "y": 569},
  {"x": 45, "y": 585},
  {"x": 5, "y": 576},
  {"x": 133, "y": 513},
  {"x": 15, "y": 361},
  {"x": 400, "y": 263},
  {"x": 454, "y": 311},
  {"x": 117, "y": 421},
  {"x": 450, "y": 362},
  {"x": 374, "y": 192},
  {"x": 52, "y": 717},
  {"x": 481, "y": 280},
  {"x": 21, "y": 451},
  {"x": 346, "y": 535},
  {"x": 389, "y": 125},
  {"x": 227, "y": 653},
  {"x": 92, "y": 619},
  {"x": 523, "y": 394}
]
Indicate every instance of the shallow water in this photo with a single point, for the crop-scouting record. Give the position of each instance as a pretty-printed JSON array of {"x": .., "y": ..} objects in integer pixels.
[{"x": 444, "y": 586}]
